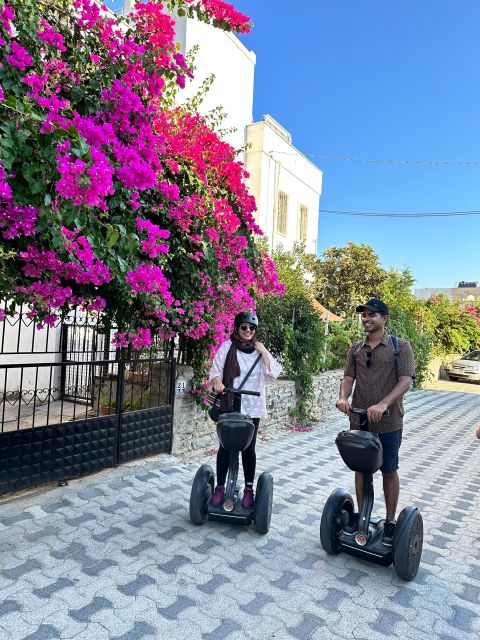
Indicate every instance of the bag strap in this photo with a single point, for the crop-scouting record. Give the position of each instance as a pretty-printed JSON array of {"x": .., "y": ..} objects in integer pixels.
[
  {"x": 395, "y": 348},
  {"x": 219, "y": 395},
  {"x": 396, "y": 351},
  {"x": 250, "y": 370}
]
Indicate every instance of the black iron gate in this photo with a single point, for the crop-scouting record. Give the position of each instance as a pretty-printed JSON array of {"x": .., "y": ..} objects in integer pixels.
[{"x": 65, "y": 411}]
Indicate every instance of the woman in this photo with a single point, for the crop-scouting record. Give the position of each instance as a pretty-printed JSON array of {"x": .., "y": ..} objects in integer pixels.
[{"x": 231, "y": 364}]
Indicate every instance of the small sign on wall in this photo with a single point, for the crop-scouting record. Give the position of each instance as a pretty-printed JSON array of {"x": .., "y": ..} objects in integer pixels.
[{"x": 182, "y": 385}]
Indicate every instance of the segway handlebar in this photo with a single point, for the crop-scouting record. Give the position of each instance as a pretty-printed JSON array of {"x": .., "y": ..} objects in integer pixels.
[
  {"x": 241, "y": 391},
  {"x": 363, "y": 412}
]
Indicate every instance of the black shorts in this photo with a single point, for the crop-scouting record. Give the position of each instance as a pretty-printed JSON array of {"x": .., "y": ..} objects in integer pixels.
[{"x": 391, "y": 444}]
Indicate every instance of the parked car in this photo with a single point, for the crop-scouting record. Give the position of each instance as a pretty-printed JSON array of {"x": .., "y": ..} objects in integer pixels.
[{"x": 465, "y": 368}]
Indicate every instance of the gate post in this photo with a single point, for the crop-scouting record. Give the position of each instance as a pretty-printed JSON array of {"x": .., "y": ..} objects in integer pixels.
[{"x": 119, "y": 403}]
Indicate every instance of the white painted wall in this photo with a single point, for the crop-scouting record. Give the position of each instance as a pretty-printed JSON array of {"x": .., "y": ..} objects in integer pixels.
[
  {"x": 225, "y": 56},
  {"x": 275, "y": 165},
  {"x": 22, "y": 344}
]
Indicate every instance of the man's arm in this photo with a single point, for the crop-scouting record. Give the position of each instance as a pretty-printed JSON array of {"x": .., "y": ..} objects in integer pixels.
[
  {"x": 376, "y": 411},
  {"x": 346, "y": 387}
]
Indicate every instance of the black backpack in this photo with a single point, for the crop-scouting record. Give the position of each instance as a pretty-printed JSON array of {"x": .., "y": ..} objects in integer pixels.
[{"x": 395, "y": 348}]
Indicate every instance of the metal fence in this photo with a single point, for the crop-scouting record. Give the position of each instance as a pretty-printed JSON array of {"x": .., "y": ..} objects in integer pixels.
[{"x": 70, "y": 403}]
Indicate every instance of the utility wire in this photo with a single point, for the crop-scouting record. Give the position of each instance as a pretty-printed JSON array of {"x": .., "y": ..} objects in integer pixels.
[
  {"x": 428, "y": 214},
  {"x": 382, "y": 161}
]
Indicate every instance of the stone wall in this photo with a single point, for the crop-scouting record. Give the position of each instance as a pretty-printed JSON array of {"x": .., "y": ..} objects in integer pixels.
[{"x": 193, "y": 429}]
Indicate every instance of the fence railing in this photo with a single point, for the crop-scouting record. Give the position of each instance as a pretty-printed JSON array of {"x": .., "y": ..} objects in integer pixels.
[{"x": 49, "y": 393}]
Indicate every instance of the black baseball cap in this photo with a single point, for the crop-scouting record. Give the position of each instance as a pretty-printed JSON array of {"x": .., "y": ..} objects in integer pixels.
[{"x": 375, "y": 305}]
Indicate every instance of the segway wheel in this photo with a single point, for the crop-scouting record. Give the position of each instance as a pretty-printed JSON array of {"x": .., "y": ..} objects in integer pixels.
[
  {"x": 337, "y": 512},
  {"x": 202, "y": 489},
  {"x": 408, "y": 543},
  {"x": 263, "y": 503}
]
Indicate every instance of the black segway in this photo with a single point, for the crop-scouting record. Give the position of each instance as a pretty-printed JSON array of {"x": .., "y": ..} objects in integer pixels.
[
  {"x": 235, "y": 432},
  {"x": 341, "y": 531}
]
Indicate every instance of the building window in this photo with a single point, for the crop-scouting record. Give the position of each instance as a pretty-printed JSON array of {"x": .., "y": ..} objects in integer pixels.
[
  {"x": 282, "y": 213},
  {"x": 303, "y": 224}
]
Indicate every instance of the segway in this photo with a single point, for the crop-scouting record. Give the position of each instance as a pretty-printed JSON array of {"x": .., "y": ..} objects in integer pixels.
[
  {"x": 235, "y": 432},
  {"x": 340, "y": 530}
]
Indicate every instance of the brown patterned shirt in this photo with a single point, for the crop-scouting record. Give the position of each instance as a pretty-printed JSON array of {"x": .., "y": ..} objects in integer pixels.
[{"x": 374, "y": 382}]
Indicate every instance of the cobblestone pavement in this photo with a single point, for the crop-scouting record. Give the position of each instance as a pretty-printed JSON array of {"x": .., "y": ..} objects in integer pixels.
[{"x": 114, "y": 556}]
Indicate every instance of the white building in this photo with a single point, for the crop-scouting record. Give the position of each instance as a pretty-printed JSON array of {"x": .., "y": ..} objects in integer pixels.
[
  {"x": 233, "y": 65},
  {"x": 286, "y": 185}
]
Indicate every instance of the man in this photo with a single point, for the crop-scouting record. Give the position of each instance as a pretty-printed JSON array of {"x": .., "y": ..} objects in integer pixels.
[{"x": 381, "y": 381}]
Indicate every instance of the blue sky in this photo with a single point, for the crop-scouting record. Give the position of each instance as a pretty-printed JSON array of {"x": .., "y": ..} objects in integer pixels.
[{"x": 381, "y": 80}]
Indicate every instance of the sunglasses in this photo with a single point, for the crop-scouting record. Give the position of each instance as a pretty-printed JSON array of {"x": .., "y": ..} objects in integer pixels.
[
  {"x": 247, "y": 327},
  {"x": 369, "y": 359}
]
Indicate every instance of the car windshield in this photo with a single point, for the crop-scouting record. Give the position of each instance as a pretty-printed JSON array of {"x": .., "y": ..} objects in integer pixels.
[{"x": 474, "y": 355}]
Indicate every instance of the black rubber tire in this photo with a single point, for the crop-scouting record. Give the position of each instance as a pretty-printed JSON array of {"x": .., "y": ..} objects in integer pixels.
[
  {"x": 408, "y": 543},
  {"x": 263, "y": 503},
  {"x": 337, "y": 512},
  {"x": 202, "y": 489}
]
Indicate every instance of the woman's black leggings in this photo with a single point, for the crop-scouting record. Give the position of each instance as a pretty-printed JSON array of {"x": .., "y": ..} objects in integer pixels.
[{"x": 249, "y": 459}]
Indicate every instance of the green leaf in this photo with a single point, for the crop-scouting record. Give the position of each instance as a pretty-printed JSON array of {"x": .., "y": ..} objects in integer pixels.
[{"x": 112, "y": 236}]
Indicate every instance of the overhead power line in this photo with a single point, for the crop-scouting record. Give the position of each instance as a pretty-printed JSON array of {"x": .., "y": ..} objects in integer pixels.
[
  {"x": 384, "y": 160},
  {"x": 418, "y": 214}
]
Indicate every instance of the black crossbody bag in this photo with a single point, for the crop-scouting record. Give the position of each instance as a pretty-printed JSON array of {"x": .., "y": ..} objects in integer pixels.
[{"x": 214, "y": 411}]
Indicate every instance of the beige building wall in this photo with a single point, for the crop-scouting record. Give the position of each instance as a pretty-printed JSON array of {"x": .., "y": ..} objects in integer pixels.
[{"x": 454, "y": 294}]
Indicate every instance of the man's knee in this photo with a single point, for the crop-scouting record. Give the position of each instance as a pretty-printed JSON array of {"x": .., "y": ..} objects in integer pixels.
[{"x": 389, "y": 475}]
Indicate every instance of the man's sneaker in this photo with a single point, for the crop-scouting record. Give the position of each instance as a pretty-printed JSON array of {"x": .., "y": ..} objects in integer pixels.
[
  {"x": 248, "y": 498},
  {"x": 388, "y": 532},
  {"x": 218, "y": 495},
  {"x": 352, "y": 526}
]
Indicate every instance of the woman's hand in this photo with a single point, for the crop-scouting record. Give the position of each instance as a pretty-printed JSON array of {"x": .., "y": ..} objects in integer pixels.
[
  {"x": 260, "y": 347},
  {"x": 477, "y": 431},
  {"x": 217, "y": 385}
]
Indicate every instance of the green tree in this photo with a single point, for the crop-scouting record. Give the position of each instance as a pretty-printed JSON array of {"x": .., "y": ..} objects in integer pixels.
[
  {"x": 291, "y": 328},
  {"x": 347, "y": 276},
  {"x": 408, "y": 319},
  {"x": 456, "y": 329}
]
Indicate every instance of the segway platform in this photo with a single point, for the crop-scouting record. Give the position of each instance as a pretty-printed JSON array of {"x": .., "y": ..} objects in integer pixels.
[{"x": 340, "y": 530}]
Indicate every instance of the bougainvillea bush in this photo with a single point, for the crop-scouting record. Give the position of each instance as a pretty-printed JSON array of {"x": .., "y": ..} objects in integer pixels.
[{"x": 110, "y": 197}]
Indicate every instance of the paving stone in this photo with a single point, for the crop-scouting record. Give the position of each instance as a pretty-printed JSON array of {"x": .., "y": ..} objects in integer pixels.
[
  {"x": 133, "y": 552},
  {"x": 133, "y": 588},
  {"x": 307, "y": 626},
  {"x": 58, "y": 585},
  {"x": 213, "y": 584},
  {"x": 285, "y": 580},
  {"x": 171, "y": 612},
  {"x": 8, "y": 606},
  {"x": 255, "y": 606},
  {"x": 106, "y": 535},
  {"x": 84, "y": 614},
  {"x": 16, "y": 572},
  {"x": 44, "y": 632},
  {"x": 224, "y": 629},
  {"x": 90, "y": 493},
  {"x": 8, "y": 521},
  {"x": 174, "y": 564},
  {"x": 137, "y": 632},
  {"x": 46, "y": 532}
]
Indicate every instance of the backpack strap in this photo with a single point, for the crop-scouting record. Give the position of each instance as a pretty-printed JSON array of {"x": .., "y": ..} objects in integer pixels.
[
  {"x": 395, "y": 348},
  {"x": 356, "y": 349},
  {"x": 396, "y": 351}
]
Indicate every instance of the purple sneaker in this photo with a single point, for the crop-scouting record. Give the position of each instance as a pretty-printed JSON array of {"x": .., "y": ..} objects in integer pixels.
[
  {"x": 248, "y": 498},
  {"x": 218, "y": 495}
]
